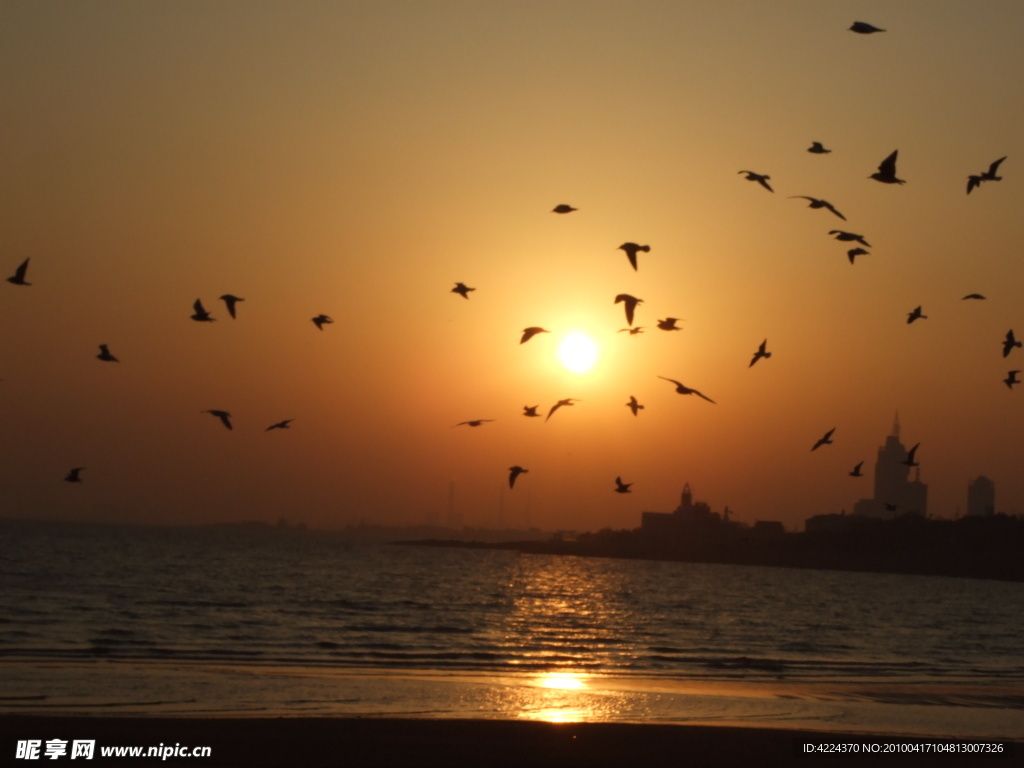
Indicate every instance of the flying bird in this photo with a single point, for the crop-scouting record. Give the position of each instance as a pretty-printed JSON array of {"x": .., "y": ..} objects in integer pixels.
[
  {"x": 915, "y": 315},
  {"x": 18, "y": 278},
  {"x": 1011, "y": 379},
  {"x": 909, "y": 461},
  {"x": 855, "y": 472},
  {"x": 853, "y": 253},
  {"x": 632, "y": 331},
  {"x": 826, "y": 439},
  {"x": 230, "y": 300},
  {"x": 632, "y": 249},
  {"x": 280, "y": 425},
  {"x": 473, "y": 422},
  {"x": 1010, "y": 342},
  {"x": 105, "y": 355},
  {"x": 975, "y": 180},
  {"x": 761, "y": 352},
  {"x": 849, "y": 237},
  {"x": 563, "y": 208},
  {"x": 224, "y": 416},
  {"x": 630, "y": 302},
  {"x": 621, "y": 487},
  {"x": 973, "y": 296},
  {"x": 513, "y": 473},
  {"x": 201, "y": 315},
  {"x": 530, "y": 410},
  {"x": 887, "y": 171},
  {"x": 633, "y": 405},
  {"x": 529, "y": 333},
  {"x": 320, "y": 320},
  {"x": 760, "y": 178},
  {"x": 669, "y": 324},
  {"x": 682, "y": 389},
  {"x": 559, "y": 404},
  {"x": 816, "y": 203},
  {"x": 862, "y": 27},
  {"x": 72, "y": 476},
  {"x": 816, "y": 148},
  {"x": 462, "y": 289}
]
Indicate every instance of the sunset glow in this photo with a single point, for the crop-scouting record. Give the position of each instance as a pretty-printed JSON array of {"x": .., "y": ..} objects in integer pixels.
[{"x": 578, "y": 352}]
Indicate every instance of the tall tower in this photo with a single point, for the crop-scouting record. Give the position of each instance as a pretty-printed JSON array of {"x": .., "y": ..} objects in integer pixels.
[
  {"x": 687, "y": 500},
  {"x": 890, "y": 471}
]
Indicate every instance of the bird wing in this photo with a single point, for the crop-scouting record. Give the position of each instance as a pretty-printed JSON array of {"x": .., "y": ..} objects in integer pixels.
[
  {"x": 198, "y": 307},
  {"x": 995, "y": 166},
  {"x": 972, "y": 182},
  {"x": 701, "y": 394},
  {"x": 888, "y": 166},
  {"x": 19, "y": 273}
]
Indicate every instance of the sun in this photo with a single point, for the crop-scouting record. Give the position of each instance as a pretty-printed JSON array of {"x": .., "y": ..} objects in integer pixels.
[{"x": 578, "y": 352}]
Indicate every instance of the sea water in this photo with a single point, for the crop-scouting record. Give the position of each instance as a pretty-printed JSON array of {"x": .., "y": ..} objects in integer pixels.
[{"x": 236, "y": 620}]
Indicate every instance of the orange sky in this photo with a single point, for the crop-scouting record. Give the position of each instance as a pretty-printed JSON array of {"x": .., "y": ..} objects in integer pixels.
[{"x": 357, "y": 159}]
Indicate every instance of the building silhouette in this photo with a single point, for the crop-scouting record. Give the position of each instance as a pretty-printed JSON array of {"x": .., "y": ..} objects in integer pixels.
[
  {"x": 895, "y": 493},
  {"x": 981, "y": 496}
]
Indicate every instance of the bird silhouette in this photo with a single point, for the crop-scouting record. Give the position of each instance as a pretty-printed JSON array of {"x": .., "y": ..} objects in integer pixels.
[
  {"x": 529, "y": 333},
  {"x": 320, "y": 320},
  {"x": 682, "y": 389},
  {"x": 224, "y": 416},
  {"x": 559, "y": 404},
  {"x": 816, "y": 203},
  {"x": 826, "y": 439},
  {"x": 633, "y": 405},
  {"x": 975, "y": 180},
  {"x": 915, "y": 315},
  {"x": 1011, "y": 379},
  {"x": 513, "y": 473},
  {"x": 632, "y": 331},
  {"x": 760, "y": 178},
  {"x": 973, "y": 296},
  {"x": 853, "y": 253},
  {"x": 621, "y": 487},
  {"x": 632, "y": 249},
  {"x": 630, "y": 303},
  {"x": 530, "y": 410},
  {"x": 105, "y": 355},
  {"x": 230, "y": 300},
  {"x": 909, "y": 461},
  {"x": 563, "y": 208},
  {"x": 849, "y": 237},
  {"x": 886, "y": 172},
  {"x": 816, "y": 148},
  {"x": 855, "y": 472},
  {"x": 200, "y": 315},
  {"x": 761, "y": 352},
  {"x": 863, "y": 28},
  {"x": 280, "y": 425},
  {"x": 18, "y": 278},
  {"x": 462, "y": 289},
  {"x": 1010, "y": 342},
  {"x": 473, "y": 422},
  {"x": 669, "y": 324},
  {"x": 72, "y": 476}
]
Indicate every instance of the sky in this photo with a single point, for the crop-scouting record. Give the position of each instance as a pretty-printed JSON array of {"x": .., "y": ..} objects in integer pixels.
[{"x": 357, "y": 159}]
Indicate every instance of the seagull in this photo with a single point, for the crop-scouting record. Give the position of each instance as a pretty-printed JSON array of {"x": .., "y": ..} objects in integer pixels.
[
  {"x": 824, "y": 440},
  {"x": 816, "y": 203},
  {"x": 72, "y": 476},
  {"x": 912, "y": 316},
  {"x": 760, "y": 178},
  {"x": 760, "y": 353},
  {"x": 632, "y": 249},
  {"x": 473, "y": 422},
  {"x": 864, "y": 28},
  {"x": 847, "y": 237},
  {"x": 855, "y": 472},
  {"x": 909, "y": 461},
  {"x": 816, "y": 148},
  {"x": 529, "y": 333},
  {"x": 513, "y": 473},
  {"x": 201, "y": 315},
  {"x": 974, "y": 180},
  {"x": 230, "y": 300},
  {"x": 18, "y": 278},
  {"x": 559, "y": 404},
  {"x": 320, "y": 320},
  {"x": 630, "y": 302},
  {"x": 972, "y": 296},
  {"x": 530, "y": 410},
  {"x": 621, "y": 487},
  {"x": 632, "y": 331},
  {"x": 1011, "y": 379},
  {"x": 462, "y": 289},
  {"x": 563, "y": 208},
  {"x": 990, "y": 174},
  {"x": 224, "y": 416},
  {"x": 853, "y": 253},
  {"x": 682, "y": 389},
  {"x": 669, "y": 324},
  {"x": 633, "y": 405},
  {"x": 280, "y": 425},
  {"x": 887, "y": 171},
  {"x": 1010, "y": 342},
  {"x": 105, "y": 355}
]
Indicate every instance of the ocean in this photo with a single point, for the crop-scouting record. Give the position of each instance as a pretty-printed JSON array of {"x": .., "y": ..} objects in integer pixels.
[{"x": 250, "y": 621}]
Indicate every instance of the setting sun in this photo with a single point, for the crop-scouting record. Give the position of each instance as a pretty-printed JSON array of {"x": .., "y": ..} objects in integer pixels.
[{"x": 578, "y": 352}]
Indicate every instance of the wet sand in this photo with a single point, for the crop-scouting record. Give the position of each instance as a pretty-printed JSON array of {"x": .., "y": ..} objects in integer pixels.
[{"x": 315, "y": 742}]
